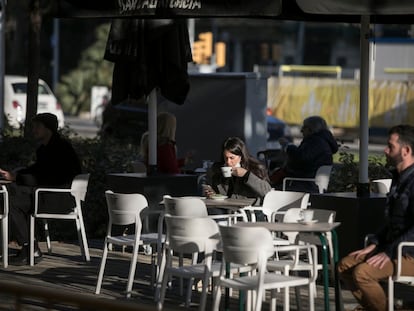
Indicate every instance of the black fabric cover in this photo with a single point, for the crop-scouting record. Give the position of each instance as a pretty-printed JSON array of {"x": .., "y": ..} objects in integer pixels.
[{"x": 149, "y": 54}]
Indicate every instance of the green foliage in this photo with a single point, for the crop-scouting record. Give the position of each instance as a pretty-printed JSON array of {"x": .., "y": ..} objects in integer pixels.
[
  {"x": 344, "y": 176},
  {"x": 74, "y": 90},
  {"x": 101, "y": 157}
]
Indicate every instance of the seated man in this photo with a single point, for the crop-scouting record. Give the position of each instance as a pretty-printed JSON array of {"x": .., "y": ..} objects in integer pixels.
[
  {"x": 56, "y": 165},
  {"x": 362, "y": 270}
]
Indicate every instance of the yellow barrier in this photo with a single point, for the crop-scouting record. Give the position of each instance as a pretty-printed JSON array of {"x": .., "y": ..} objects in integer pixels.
[
  {"x": 337, "y": 100},
  {"x": 311, "y": 69}
]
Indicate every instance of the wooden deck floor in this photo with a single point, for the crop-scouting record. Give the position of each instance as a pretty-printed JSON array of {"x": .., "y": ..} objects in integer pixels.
[{"x": 66, "y": 272}]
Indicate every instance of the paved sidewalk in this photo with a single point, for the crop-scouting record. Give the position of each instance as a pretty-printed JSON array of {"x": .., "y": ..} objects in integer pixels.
[{"x": 66, "y": 271}]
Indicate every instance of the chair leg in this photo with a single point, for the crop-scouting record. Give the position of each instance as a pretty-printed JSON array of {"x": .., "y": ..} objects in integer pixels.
[
  {"x": 286, "y": 303},
  {"x": 5, "y": 243},
  {"x": 312, "y": 295},
  {"x": 390, "y": 294},
  {"x": 49, "y": 244},
  {"x": 189, "y": 292},
  {"x": 160, "y": 276},
  {"x": 273, "y": 304},
  {"x": 259, "y": 299},
  {"x": 164, "y": 282},
  {"x": 31, "y": 240},
  {"x": 132, "y": 269},
  {"x": 216, "y": 296},
  {"x": 204, "y": 293},
  {"x": 83, "y": 241},
  {"x": 102, "y": 269}
]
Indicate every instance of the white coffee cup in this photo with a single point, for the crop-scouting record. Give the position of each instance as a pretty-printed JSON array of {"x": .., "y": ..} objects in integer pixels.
[
  {"x": 306, "y": 215},
  {"x": 226, "y": 170}
]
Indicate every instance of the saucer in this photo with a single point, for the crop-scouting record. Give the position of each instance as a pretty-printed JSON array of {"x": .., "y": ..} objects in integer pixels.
[
  {"x": 308, "y": 222},
  {"x": 219, "y": 197},
  {"x": 193, "y": 197}
]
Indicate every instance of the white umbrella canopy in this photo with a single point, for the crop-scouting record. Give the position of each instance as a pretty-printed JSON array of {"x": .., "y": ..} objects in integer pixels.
[{"x": 377, "y": 11}]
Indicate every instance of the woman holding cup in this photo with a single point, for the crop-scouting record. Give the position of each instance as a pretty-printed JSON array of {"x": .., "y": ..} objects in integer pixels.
[{"x": 239, "y": 175}]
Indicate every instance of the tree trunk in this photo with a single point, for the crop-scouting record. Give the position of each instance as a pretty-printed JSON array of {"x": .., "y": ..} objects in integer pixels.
[{"x": 33, "y": 64}]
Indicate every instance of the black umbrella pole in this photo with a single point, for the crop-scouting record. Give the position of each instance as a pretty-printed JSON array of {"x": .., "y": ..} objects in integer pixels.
[
  {"x": 152, "y": 170},
  {"x": 363, "y": 190}
]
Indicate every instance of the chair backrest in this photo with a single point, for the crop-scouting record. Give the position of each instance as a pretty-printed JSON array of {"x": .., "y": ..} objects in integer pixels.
[
  {"x": 189, "y": 207},
  {"x": 125, "y": 208},
  {"x": 276, "y": 200},
  {"x": 245, "y": 245},
  {"x": 80, "y": 186},
  {"x": 189, "y": 235},
  {"x": 381, "y": 185},
  {"x": 320, "y": 215},
  {"x": 323, "y": 215},
  {"x": 322, "y": 176},
  {"x": 5, "y": 210},
  {"x": 292, "y": 215}
]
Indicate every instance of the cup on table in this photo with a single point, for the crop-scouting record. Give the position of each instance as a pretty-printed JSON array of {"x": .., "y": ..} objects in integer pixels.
[
  {"x": 306, "y": 215},
  {"x": 226, "y": 170}
]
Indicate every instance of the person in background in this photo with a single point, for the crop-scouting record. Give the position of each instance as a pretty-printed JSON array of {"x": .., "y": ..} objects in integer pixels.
[
  {"x": 316, "y": 149},
  {"x": 362, "y": 270},
  {"x": 56, "y": 165},
  {"x": 167, "y": 162},
  {"x": 248, "y": 179}
]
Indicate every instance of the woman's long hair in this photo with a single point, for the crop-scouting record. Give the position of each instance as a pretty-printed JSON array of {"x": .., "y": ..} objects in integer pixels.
[{"x": 166, "y": 127}]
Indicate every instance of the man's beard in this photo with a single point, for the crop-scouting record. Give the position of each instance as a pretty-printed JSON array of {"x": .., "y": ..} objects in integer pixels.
[{"x": 393, "y": 161}]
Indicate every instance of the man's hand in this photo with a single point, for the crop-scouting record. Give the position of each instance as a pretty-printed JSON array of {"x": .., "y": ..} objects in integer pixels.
[
  {"x": 378, "y": 260},
  {"x": 7, "y": 175},
  {"x": 363, "y": 252},
  {"x": 238, "y": 171}
]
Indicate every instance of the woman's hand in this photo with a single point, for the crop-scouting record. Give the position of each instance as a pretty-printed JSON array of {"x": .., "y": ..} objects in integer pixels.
[
  {"x": 238, "y": 171},
  {"x": 208, "y": 191}
]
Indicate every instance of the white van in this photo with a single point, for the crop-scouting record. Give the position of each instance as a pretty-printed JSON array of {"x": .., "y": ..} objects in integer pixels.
[{"x": 15, "y": 101}]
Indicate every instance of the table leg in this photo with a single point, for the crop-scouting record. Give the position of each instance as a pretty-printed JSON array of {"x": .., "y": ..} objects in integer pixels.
[
  {"x": 339, "y": 306},
  {"x": 227, "y": 290},
  {"x": 325, "y": 269}
]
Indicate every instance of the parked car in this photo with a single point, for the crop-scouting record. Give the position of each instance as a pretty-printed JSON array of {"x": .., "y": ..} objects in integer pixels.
[
  {"x": 277, "y": 129},
  {"x": 126, "y": 120},
  {"x": 15, "y": 96}
]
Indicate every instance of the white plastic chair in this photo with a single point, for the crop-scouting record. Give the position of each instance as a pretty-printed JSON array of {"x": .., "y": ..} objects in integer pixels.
[
  {"x": 4, "y": 215},
  {"x": 189, "y": 235},
  {"x": 253, "y": 246},
  {"x": 381, "y": 185},
  {"x": 398, "y": 277},
  {"x": 321, "y": 179},
  {"x": 292, "y": 260},
  {"x": 294, "y": 215},
  {"x": 276, "y": 202},
  {"x": 123, "y": 209},
  {"x": 78, "y": 191},
  {"x": 186, "y": 207}
]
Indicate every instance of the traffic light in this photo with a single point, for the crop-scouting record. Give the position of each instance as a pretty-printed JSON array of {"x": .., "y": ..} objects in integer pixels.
[
  {"x": 220, "y": 49},
  {"x": 203, "y": 48},
  {"x": 197, "y": 52}
]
